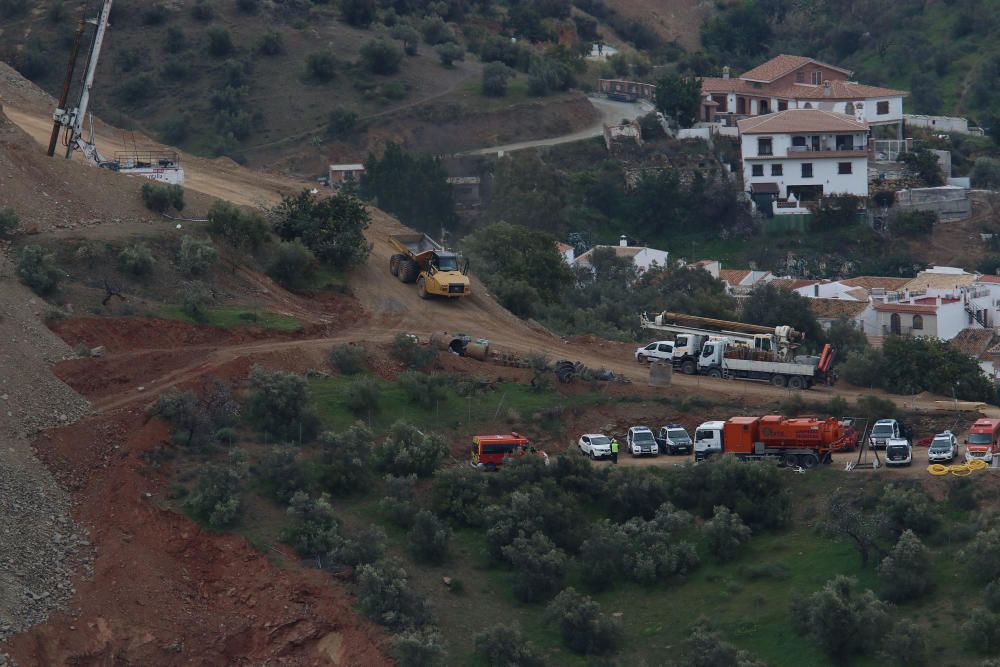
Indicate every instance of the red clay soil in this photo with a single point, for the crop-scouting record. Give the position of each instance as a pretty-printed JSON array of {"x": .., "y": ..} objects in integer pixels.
[{"x": 164, "y": 591}]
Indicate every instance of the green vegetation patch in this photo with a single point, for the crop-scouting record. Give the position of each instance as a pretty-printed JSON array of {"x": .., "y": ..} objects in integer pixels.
[{"x": 230, "y": 317}]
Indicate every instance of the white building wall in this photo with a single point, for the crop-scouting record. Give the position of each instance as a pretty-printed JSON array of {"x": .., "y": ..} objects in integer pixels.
[
  {"x": 895, "y": 110},
  {"x": 952, "y": 318},
  {"x": 825, "y": 173},
  {"x": 834, "y": 290}
]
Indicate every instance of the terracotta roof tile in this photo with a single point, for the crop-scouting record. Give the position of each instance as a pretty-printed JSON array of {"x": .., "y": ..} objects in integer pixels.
[
  {"x": 875, "y": 282},
  {"x": 800, "y": 120},
  {"x": 711, "y": 84},
  {"x": 733, "y": 276},
  {"x": 897, "y": 307},
  {"x": 941, "y": 281},
  {"x": 839, "y": 90},
  {"x": 831, "y": 309},
  {"x": 780, "y": 65},
  {"x": 974, "y": 342},
  {"x": 792, "y": 283},
  {"x": 988, "y": 279}
]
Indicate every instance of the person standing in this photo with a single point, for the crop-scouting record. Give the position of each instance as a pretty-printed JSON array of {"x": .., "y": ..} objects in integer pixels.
[{"x": 614, "y": 451}]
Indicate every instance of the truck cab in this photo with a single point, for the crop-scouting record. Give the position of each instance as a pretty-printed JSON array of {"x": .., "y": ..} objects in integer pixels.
[
  {"x": 898, "y": 452},
  {"x": 884, "y": 431},
  {"x": 983, "y": 441},
  {"x": 708, "y": 440},
  {"x": 674, "y": 439},
  {"x": 640, "y": 441},
  {"x": 687, "y": 350},
  {"x": 661, "y": 350}
]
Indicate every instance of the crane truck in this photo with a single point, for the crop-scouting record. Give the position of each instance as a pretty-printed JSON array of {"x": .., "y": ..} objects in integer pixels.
[
  {"x": 803, "y": 441},
  {"x": 163, "y": 166},
  {"x": 735, "y": 350},
  {"x": 422, "y": 260}
]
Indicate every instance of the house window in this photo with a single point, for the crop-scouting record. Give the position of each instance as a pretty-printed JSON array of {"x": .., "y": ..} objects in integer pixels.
[
  {"x": 782, "y": 105},
  {"x": 776, "y": 170},
  {"x": 918, "y": 322},
  {"x": 849, "y": 108},
  {"x": 800, "y": 77},
  {"x": 807, "y": 170},
  {"x": 844, "y": 168},
  {"x": 882, "y": 108},
  {"x": 764, "y": 146},
  {"x": 798, "y": 141},
  {"x": 807, "y": 105},
  {"x": 757, "y": 170},
  {"x": 817, "y": 77}
]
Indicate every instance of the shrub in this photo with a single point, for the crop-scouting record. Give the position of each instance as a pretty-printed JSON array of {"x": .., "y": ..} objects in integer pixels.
[
  {"x": 534, "y": 509},
  {"x": 846, "y": 519},
  {"x": 271, "y": 43},
  {"x": 358, "y": 13},
  {"x": 601, "y": 556},
  {"x": 399, "y": 502},
  {"x": 842, "y": 621},
  {"x": 280, "y": 473},
  {"x": 340, "y": 123},
  {"x": 385, "y": 596},
  {"x": 539, "y": 567},
  {"x": 424, "y": 389},
  {"x": 381, "y": 57},
  {"x": 409, "y": 36},
  {"x": 292, "y": 264},
  {"x": 159, "y": 198},
  {"x": 634, "y": 493},
  {"x": 407, "y": 349},
  {"x": 155, "y": 15},
  {"x": 136, "y": 260},
  {"x": 220, "y": 42},
  {"x": 36, "y": 269},
  {"x": 704, "y": 647},
  {"x": 506, "y": 646},
  {"x": 428, "y": 538},
  {"x": 175, "y": 68},
  {"x": 435, "y": 30},
  {"x": 345, "y": 460},
  {"x": 863, "y": 368},
  {"x": 909, "y": 509},
  {"x": 449, "y": 52},
  {"x": 202, "y": 11},
  {"x": 9, "y": 222},
  {"x": 362, "y": 396},
  {"x": 407, "y": 451},
  {"x": 332, "y": 227},
  {"x": 314, "y": 528},
  {"x": 726, "y": 534},
  {"x": 912, "y": 223},
  {"x": 196, "y": 257},
  {"x": 348, "y": 359},
  {"x": 279, "y": 404},
  {"x": 981, "y": 632},
  {"x": 906, "y": 572},
  {"x": 242, "y": 230},
  {"x": 905, "y": 646},
  {"x": 495, "y": 76},
  {"x": 363, "y": 547},
  {"x": 651, "y": 551},
  {"x": 321, "y": 66},
  {"x": 248, "y": 6},
  {"x": 174, "y": 41},
  {"x": 985, "y": 173},
  {"x": 216, "y": 498},
  {"x": 458, "y": 495},
  {"x": 417, "y": 648},
  {"x": 582, "y": 625},
  {"x": 991, "y": 596},
  {"x": 195, "y": 301},
  {"x": 982, "y": 557},
  {"x": 197, "y": 418}
]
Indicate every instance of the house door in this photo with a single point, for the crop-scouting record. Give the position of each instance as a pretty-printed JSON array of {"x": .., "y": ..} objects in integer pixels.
[
  {"x": 763, "y": 107},
  {"x": 741, "y": 105},
  {"x": 894, "y": 327}
]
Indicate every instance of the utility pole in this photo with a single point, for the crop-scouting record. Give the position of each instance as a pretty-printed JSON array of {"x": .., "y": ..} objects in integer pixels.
[{"x": 67, "y": 84}]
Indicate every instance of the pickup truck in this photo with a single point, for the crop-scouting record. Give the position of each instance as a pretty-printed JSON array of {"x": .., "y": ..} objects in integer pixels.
[
  {"x": 640, "y": 441},
  {"x": 673, "y": 439}
]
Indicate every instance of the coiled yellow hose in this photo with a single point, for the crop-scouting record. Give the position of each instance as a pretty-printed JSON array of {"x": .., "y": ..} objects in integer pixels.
[{"x": 958, "y": 470}]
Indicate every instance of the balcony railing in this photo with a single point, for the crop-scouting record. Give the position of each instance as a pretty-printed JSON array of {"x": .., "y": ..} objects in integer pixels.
[{"x": 828, "y": 149}]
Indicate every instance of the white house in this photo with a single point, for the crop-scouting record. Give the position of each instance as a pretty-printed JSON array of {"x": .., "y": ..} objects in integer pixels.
[
  {"x": 567, "y": 251},
  {"x": 743, "y": 281},
  {"x": 798, "y": 82},
  {"x": 644, "y": 258},
  {"x": 803, "y": 154}
]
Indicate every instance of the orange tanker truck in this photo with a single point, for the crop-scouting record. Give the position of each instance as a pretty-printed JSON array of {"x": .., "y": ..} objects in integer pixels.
[{"x": 803, "y": 441}]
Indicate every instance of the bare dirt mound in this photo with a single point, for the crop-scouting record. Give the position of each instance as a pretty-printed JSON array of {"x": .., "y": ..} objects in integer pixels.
[
  {"x": 674, "y": 20},
  {"x": 164, "y": 591}
]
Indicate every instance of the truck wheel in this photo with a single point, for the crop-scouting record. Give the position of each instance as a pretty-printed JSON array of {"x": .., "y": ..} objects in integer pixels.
[
  {"x": 778, "y": 380},
  {"x": 795, "y": 382},
  {"x": 422, "y": 289},
  {"x": 642, "y": 358},
  {"x": 408, "y": 270},
  {"x": 715, "y": 373},
  {"x": 491, "y": 467},
  {"x": 394, "y": 264},
  {"x": 808, "y": 461},
  {"x": 790, "y": 460},
  {"x": 689, "y": 367}
]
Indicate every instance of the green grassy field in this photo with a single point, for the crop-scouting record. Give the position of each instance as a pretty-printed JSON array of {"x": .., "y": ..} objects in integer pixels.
[{"x": 228, "y": 317}]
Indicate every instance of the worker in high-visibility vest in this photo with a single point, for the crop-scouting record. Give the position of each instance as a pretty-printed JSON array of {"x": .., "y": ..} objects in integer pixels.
[{"x": 614, "y": 451}]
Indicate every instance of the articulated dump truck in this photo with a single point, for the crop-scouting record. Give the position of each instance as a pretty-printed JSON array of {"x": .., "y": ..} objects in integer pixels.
[{"x": 422, "y": 260}]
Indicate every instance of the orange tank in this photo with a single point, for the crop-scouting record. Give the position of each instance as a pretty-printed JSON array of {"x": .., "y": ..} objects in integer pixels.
[{"x": 741, "y": 434}]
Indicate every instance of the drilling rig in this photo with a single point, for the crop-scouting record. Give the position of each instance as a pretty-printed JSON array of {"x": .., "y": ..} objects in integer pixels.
[{"x": 163, "y": 166}]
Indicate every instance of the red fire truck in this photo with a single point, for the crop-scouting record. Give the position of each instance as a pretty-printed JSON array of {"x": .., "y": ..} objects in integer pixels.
[{"x": 490, "y": 451}]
